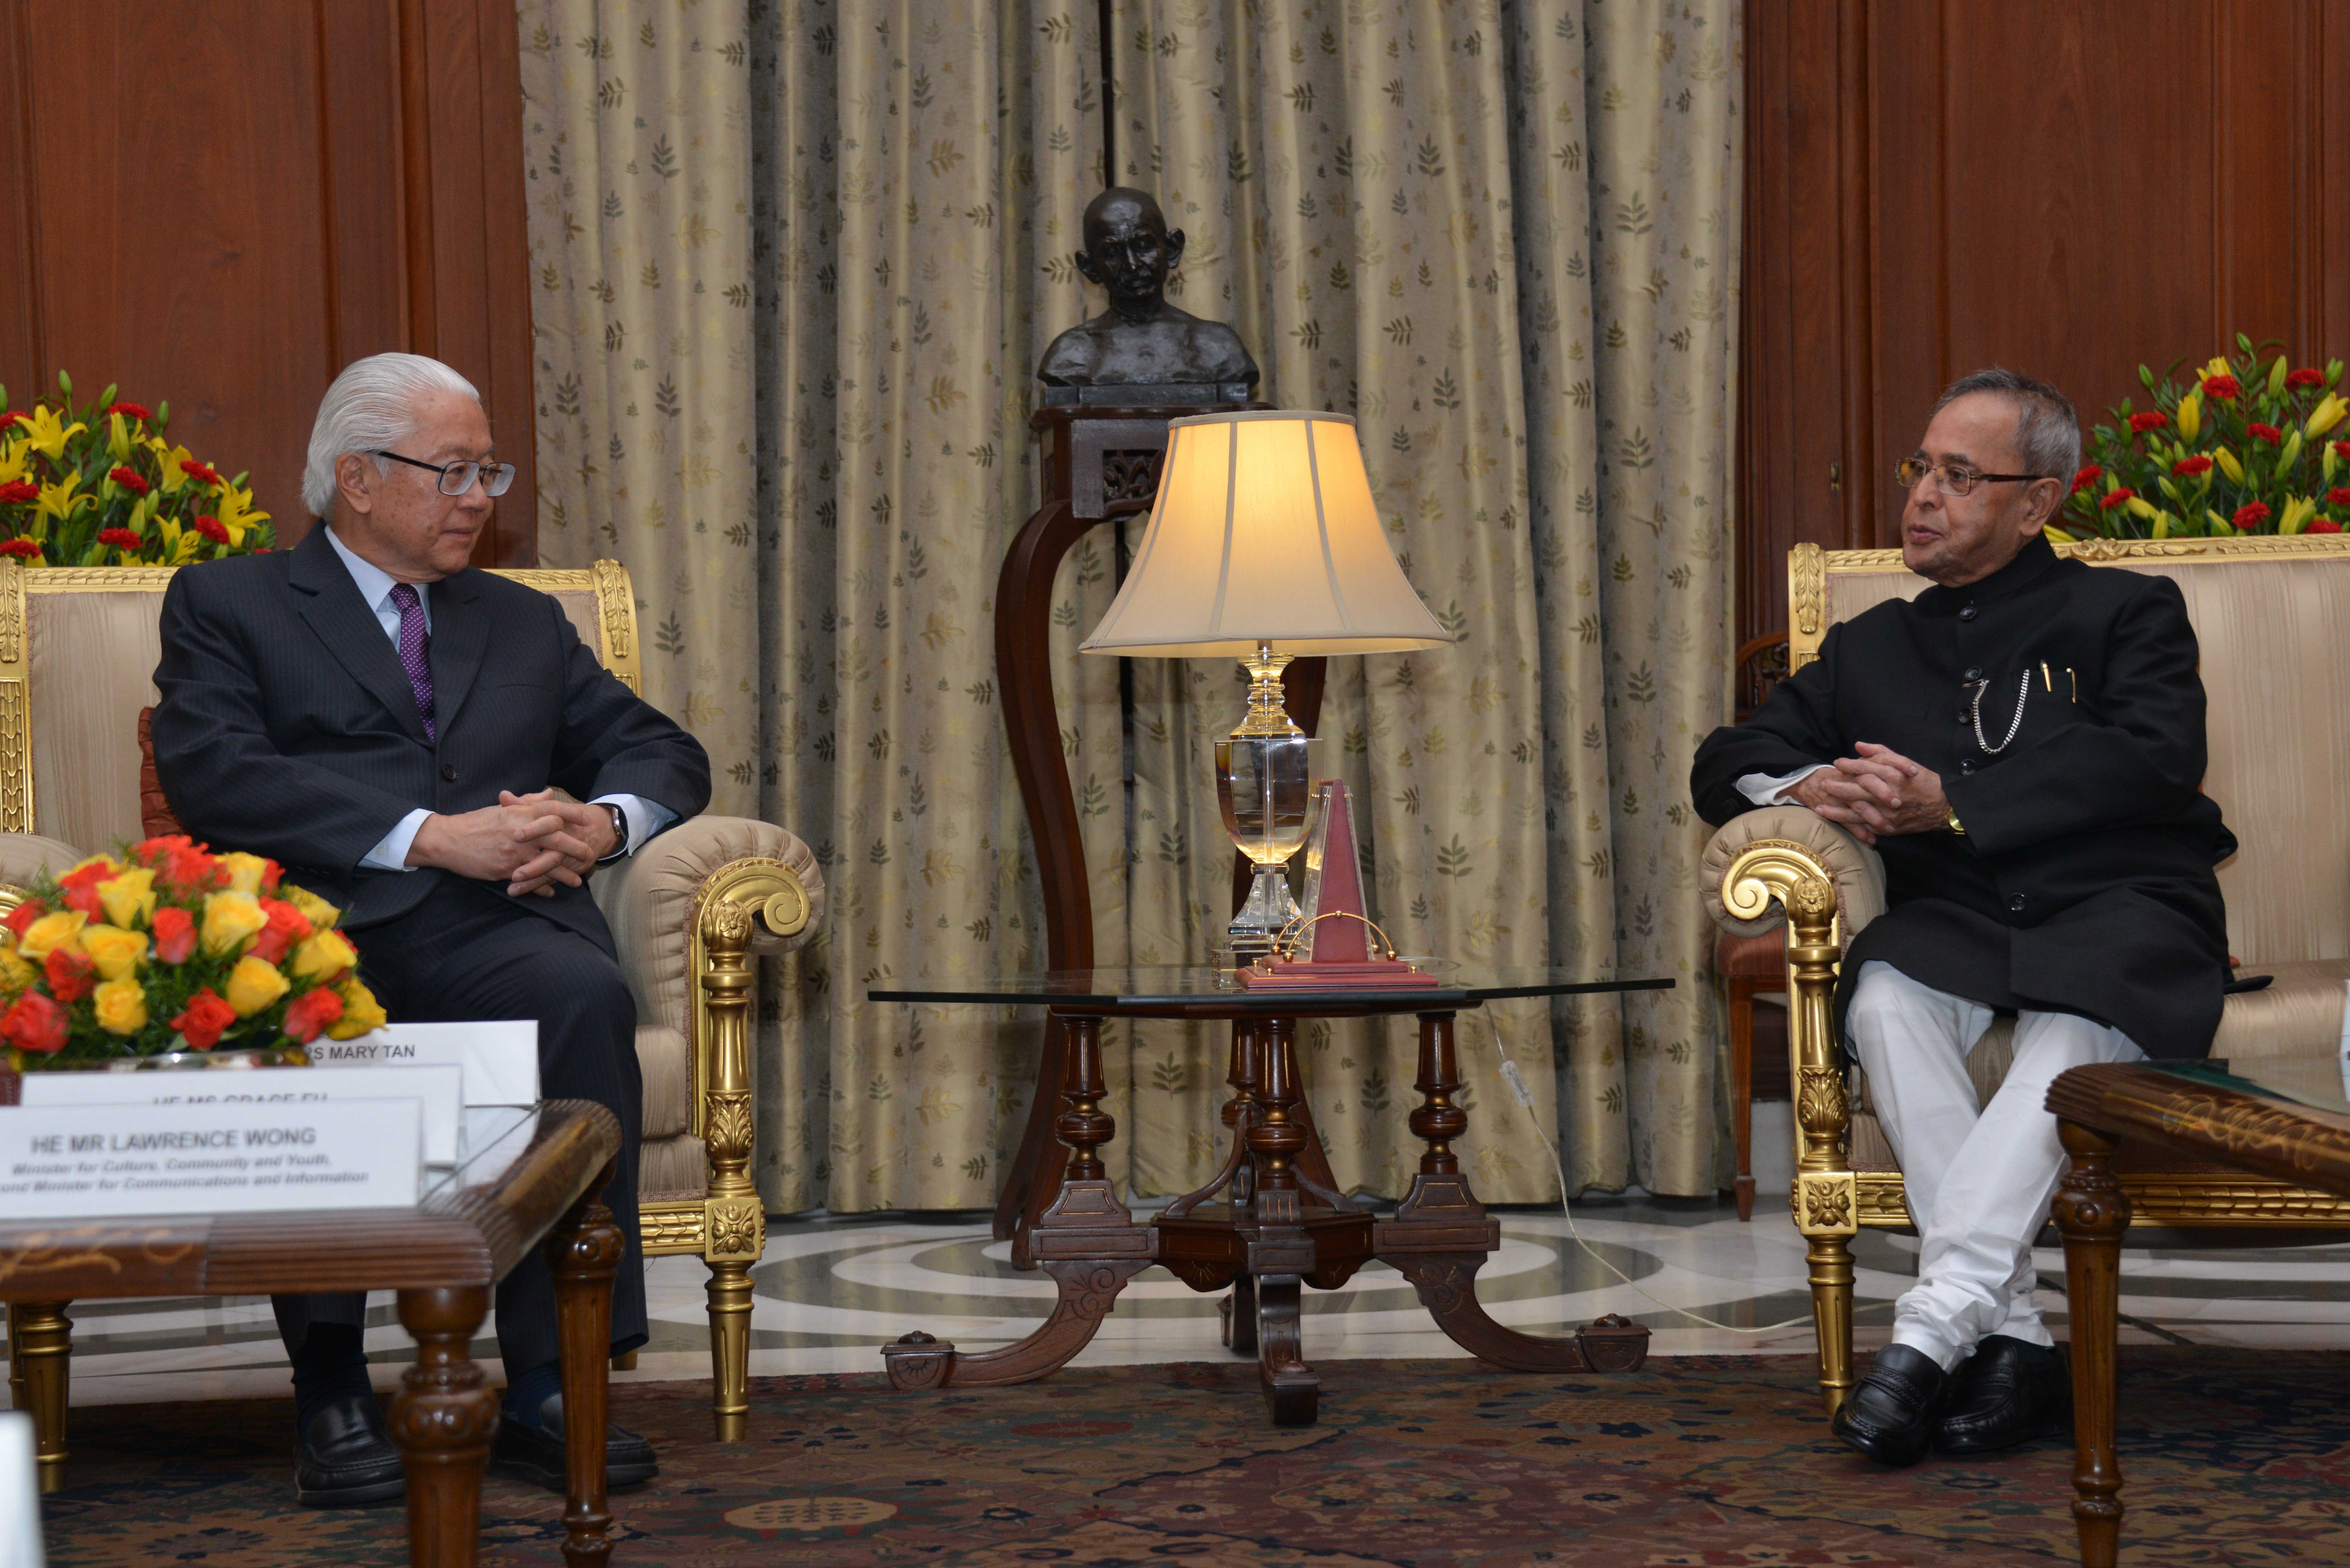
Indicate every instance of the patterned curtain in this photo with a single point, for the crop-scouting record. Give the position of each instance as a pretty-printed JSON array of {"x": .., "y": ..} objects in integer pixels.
[{"x": 795, "y": 265}]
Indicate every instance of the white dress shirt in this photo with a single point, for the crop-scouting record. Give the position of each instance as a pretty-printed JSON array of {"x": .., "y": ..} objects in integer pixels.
[{"x": 644, "y": 817}]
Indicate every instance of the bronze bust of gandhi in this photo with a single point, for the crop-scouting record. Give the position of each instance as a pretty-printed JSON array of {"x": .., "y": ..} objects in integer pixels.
[{"x": 1141, "y": 349}]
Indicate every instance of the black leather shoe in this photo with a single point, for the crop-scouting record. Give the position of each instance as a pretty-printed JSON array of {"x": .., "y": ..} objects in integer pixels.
[
  {"x": 1889, "y": 1415},
  {"x": 534, "y": 1454},
  {"x": 2008, "y": 1392},
  {"x": 345, "y": 1458}
]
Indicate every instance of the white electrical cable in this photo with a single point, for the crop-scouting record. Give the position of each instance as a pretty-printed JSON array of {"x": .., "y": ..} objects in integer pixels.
[{"x": 1524, "y": 1095}]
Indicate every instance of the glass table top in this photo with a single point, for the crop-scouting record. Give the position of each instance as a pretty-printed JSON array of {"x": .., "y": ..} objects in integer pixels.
[
  {"x": 1176, "y": 985},
  {"x": 2316, "y": 1083}
]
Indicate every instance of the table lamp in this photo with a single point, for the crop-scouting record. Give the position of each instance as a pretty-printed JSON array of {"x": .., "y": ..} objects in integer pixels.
[{"x": 1264, "y": 546}]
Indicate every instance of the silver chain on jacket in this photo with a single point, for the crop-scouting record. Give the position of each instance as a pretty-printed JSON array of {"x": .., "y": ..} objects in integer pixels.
[{"x": 2022, "y": 692}]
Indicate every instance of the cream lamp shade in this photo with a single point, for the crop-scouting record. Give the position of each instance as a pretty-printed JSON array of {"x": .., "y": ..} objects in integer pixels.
[{"x": 1263, "y": 534}]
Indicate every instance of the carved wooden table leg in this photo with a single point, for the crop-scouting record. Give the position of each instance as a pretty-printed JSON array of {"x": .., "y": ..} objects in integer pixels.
[
  {"x": 1440, "y": 1236},
  {"x": 443, "y": 1418},
  {"x": 40, "y": 1357},
  {"x": 1282, "y": 1253},
  {"x": 584, "y": 1253},
  {"x": 1086, "y": 1240},
  {"x": 2092, "y": 1211}
]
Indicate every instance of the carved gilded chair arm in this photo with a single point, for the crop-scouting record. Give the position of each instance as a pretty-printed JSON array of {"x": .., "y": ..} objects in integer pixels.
[{"x": 1754, "y": 860}]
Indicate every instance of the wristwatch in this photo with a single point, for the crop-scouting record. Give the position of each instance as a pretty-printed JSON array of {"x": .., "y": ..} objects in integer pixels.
[{"x": 619, "y": 833}]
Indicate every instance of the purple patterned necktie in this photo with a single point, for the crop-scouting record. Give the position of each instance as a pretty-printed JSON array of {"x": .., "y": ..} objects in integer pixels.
[{"x": 415, "y": 651}]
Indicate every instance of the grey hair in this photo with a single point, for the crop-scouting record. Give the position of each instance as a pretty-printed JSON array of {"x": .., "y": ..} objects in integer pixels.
[
  {"x": 370, "y": 407},
  {"x": 2047, "y": 431}
]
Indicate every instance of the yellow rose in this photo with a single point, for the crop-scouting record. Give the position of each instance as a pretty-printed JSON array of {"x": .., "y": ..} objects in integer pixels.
[
  {"x": 229, "y": 919},
  {"x": 16, "y": 975},
  {"x": 115, "y": 952},
  {"x": 254, "y": 985},
  {"x": 315, "y": 909},
  {"x": 121, "y": 1005},
  {"x": 362, "y": 1013},
  {"x": 130, "y": 899},
  {"x": 324, "y": 956},
  {"x": 50, "y": 932},
  {"x": 245, "y": 871}
]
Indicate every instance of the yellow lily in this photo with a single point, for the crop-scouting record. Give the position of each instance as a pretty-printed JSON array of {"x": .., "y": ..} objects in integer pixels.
[
  {"x": 171, "y": 456},
  {"x": 2298, "y": 511},
  {"x": 2229, "y": 465},
  {"x": 2166, "y": 525},
  {"x": 14, "y": 458},
  {"x": 2326, "y": 416},
  {"x": 236, "y": 514},
  {"x": 48, "y": 433},
  {"x": 2219, "y": 524},
  {"x": 2054, "y": 535},
  {"x": 2277, "y": 373},
  {"x": 2218, "y": 367},
  {"x": 2191, "y": 417},
  {"x": 59, "y": 501},
  {"x": 118, "y": 439},
  {"x": 2290, "y": 454}
]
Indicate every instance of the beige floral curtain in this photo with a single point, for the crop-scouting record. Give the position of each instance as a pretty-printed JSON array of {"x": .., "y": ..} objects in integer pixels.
[{"x": 796, "y": 263}]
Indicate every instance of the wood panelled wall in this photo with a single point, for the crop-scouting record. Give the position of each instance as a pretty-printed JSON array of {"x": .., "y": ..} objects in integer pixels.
[
  {"x": 2066, "y": 187},
  {"x": 221, "y": 203}
]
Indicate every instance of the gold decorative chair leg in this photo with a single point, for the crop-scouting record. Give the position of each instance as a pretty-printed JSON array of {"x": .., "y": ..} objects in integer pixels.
[
  {"x": 1831, "y": 1260},
  {"x": 40, "y": 1354},
  {"x": 730, "y": 1347}
]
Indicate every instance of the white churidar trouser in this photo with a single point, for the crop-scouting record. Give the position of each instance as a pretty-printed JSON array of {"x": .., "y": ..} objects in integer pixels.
[{"x": 1979, "y": 1177}]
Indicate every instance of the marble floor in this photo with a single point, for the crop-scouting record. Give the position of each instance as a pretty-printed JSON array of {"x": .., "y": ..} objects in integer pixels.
[{"x": 830, "y": 1289}]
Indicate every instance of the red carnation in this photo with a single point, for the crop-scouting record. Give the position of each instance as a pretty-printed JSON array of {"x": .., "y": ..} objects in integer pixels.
[
  {"x": 313, "y": 1012},
  {"x": 20, "y": 919},
  {"x": 203, "y": 1022},
  {"x": 2086, "y": 477},
  {"x": 2303, "y": 378},
  {"x": 175, "y": 934},
  {"x": 210, "y": 527},
  {"x": 70, "y": 974},
  {"x": 287, "y": 925},
  {"x": 19, "y": 493},
  {"x": 203, "y": 470},
  {"x": 2249, "y": 516},
  {"x": 129, "y": 479},
  {"x": 35, "y": 1023},
  {"x": 23, "y": 549},
  {"x": 2117, "y": 498},
  {"x": 2188, "y": 467},
  {"x": 15, "y": 416},
  {"x": 2339, "y": 495},
  {"x": 130, "y": 410},
  {"x": 2342, "y": 450},
  {"x": 2268, "y": 433},
  {"x": 2323, "y": 525},
  {"x": 2222, "y": 388},
  {"x": 118, "y": 538},
  {"x": 2152, "y": 420}
]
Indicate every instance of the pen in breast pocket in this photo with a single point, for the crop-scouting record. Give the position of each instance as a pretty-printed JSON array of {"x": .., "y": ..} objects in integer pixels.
[{"x": 2046, "y": 684}]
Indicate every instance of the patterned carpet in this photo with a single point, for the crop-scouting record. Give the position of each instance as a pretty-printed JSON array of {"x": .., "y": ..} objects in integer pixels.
[{"x": 2231, "y": 1457}]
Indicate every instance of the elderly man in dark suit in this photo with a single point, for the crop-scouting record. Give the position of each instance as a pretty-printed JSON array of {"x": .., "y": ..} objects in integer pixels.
[
  {"x": 2024, "y": 744},
  {"x": 393, "y": 726}
]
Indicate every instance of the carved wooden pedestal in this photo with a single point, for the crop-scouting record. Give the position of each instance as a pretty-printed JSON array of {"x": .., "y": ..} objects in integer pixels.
[{"x": 1279, "y": 1227}]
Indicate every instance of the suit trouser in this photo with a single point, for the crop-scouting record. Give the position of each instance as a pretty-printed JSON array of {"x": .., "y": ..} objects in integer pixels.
[
  {"x": 1979, "y": 1176},
  {"x": 468, "y": 951}
]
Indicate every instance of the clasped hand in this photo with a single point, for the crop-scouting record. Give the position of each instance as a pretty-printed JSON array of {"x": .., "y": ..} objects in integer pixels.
[
  {"x": 530, "y": 842},
  {"x": 1876, "y": 794}
]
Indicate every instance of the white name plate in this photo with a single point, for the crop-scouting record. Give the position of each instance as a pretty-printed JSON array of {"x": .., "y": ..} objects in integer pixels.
[
  {"x": 500, "y": 1057},
  {"x": 92, "y": 1162},
  {"x": 439, "y": 1086}
]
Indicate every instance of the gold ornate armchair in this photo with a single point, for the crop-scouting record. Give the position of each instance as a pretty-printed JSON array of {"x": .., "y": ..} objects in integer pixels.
[
  {"x": 2271, "y": 615},
  {"x": 689, "y": 911}
]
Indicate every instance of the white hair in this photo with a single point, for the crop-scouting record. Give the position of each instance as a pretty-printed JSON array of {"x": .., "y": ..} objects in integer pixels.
[{"x": 370, "y": 407}]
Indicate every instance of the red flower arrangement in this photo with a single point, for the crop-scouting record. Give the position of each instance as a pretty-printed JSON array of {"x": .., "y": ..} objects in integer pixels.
[
  {"x": 2249, "y": 517},
  {"x": 2268, "y": 433},
  {"x": 167, "y": 947},
  {"x": 2117, "y": 498},
  {"x": 2190, "y": 467},
  {"x": 2152, "y": 420},
  {"x": 2324, "y": 526},
  {"x": 2222, "y": 388},
  {"x": 2301, "y": 380},
  {"x": 2085, "y": 477},
  {"x": 130, "y": 479}
]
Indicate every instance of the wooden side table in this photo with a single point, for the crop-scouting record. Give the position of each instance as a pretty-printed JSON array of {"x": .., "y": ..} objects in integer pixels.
[
  {"x": 1281, "y": 1225},
  {"x": 528, "y": 1177},
  {"x": 2176, "y": 1109}
]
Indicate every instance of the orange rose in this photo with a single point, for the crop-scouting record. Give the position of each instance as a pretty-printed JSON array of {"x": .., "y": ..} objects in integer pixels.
[
  {"x": 286, "y": 926},
  {"x": 35, "y": 1024},
  {"x": 312, "y": 1013},
  {"x": 175, "y": 934},
  {"x": 200, "y": 1026}
]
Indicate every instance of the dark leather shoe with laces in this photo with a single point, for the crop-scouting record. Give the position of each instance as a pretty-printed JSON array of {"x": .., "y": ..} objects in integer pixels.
[
  {"x": 2008, "y": 1391},
  {"x": 1889, "y": 1415},
  {"x": 534, "y": 1454},
  {"x": 345, "y": 1458}
]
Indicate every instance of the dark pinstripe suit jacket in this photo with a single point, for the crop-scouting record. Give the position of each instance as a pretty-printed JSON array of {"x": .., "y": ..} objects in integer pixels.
[{"x": 287, "y": 727}]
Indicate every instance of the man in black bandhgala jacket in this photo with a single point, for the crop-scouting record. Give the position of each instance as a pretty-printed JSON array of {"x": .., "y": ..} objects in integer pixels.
[
  {"x": 392, "y": 724},
  {"x": 2024, "y": 744}
]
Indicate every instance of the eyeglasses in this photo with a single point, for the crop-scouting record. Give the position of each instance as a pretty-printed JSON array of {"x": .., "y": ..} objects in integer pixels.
[
  {"x": 456, "y": 478},
  {"x": 1949, "y": 478}
]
